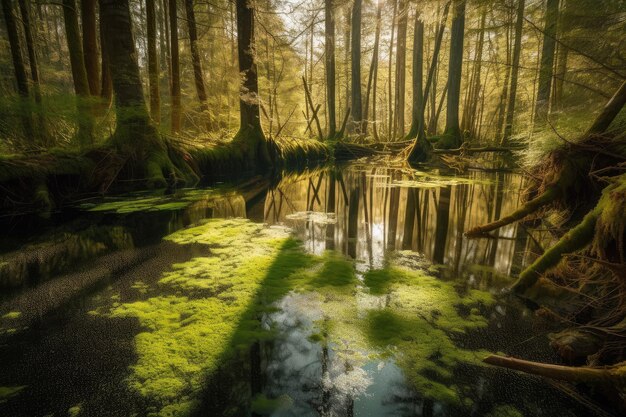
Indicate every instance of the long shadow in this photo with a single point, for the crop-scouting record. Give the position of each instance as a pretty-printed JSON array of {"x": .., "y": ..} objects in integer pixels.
[{"x": 229, "y": 389}]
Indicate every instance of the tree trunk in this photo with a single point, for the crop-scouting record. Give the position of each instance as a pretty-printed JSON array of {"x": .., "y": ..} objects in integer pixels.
[
  {"x": 329, "y": 50},
  {"x": 197, "y": 65},
  {"x": 153, "y": 65},
  {"x": 517, "y": 49},
  {"x": 135, "y": 134},
  {"x": 473, "y": 96},
  {"x": 390, "y": 117},
  {"x": 401, "y": 69},
  {"x": 90, "y": 44},
  {"x": 175, "y": 63},
  {"x": 417, "y": 113},
  {"x": 18, "y": 66},
  {"x": 547, "y": 62},
  {"x": 30, "y": 46},
  {"x": 106, "y": 85},
  {"x": 453, "y": 137},
  {"x": 79, "y": 73},
  {"x": 373, "y": 74},
  {"x": 250, "y": 133},
  {"x": 357, "y": 107}
]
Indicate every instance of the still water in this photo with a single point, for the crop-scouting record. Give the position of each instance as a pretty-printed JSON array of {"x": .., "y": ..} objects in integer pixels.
[{"x": 340, "y": 292}]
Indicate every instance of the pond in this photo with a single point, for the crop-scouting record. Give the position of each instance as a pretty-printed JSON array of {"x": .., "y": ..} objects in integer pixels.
[{"x": 344, "y": 291}]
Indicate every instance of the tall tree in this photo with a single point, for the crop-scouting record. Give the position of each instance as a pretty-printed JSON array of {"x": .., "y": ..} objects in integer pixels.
[
  {"x": 135, "y": 135},
  {"x": 79, "y": 73},
  {"x": 90, "y": 44},
  {"x": 452, "y": 137},
  {"x": 175, "y": 64},
  {"x": 418, "y": 75},
  {"x": 357, "y": 107},
  {"x": 517, "y": 49},
  {"x": 401, "y": 68},
  {"x": 18, "y": 65},
  {"x": 153, "y": 64},
  {"x": 250, "y": 136},
  {"x": 547, "y": 62},
  {"x": 329, "y": 54},
  {"x": 106, "y": 84},
  {"x": 372, "y": 79},
  {"x": 30, "y": 46},
  {"x": 198, "y": 74}
]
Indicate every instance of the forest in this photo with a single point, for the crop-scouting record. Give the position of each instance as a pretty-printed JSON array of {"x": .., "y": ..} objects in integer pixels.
[{"x": 313, "y": 208}]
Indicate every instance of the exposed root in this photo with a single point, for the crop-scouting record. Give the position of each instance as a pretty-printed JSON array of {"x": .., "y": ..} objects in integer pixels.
[{"x": 550, "y": 195}]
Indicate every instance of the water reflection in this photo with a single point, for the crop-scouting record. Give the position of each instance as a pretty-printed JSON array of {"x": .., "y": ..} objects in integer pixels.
[{"x": 366, "y": 211}]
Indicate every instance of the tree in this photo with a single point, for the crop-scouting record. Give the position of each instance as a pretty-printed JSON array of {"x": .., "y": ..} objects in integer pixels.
[
  {"x": 135, "y": 134},
  {"x": 329, "y": 55},
  {"x": 197, "y": 64},
  {"x": 401, "y": 68},
  {"x": 547, "y": 62},
  {"x": 79, "y": 73},
  {"x": 106, "y": 85},
  {"x": 250, "y": 137},
  {"x": 175, "y": 64},
  {"x": 357, "y": 107},
  {"x": 90, "y": 44},
  {"x": 517, "y": 49},
  {"x": 373, "y": 78},
  {"x": 30, "y": 46},
  {"x": 417, "y": 112},
  {"x": 153, "y": 64},
  {"x": 18, "y": 64},
  {"x": 453, "y": 137}
]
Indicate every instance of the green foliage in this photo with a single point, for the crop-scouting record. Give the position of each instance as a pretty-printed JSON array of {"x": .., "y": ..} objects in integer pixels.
[{"x": 8, "y": 392}]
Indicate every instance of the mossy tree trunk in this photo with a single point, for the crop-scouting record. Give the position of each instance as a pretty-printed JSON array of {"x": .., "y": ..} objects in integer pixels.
[
  {"x": 250, "y": 139},
  {"x": 417, "y": 113},
  {"x": 106, "y": 84},
  {"x": 401, "y": 69},
  {"x": 453, "y": 137},
  {"x": 135, "y": 136}
]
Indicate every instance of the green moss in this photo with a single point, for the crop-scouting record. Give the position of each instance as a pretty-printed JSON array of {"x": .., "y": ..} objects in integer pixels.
[
  {"x": 8, "y": 392},
  {"x": 422, "y": 314},
  {"x": 74, "y": 411},
  {"x": 138, "y": 203},
  {"x": 12, "y": 315},
  {"x": 505, "y": 410}
]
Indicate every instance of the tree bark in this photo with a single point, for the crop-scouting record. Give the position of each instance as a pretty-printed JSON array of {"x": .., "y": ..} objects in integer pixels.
[
  {"x": 175, "y": 64},
  {"x": 357, "y": 107},
  {"x": 153, "y": 65},
  {"x": 546, "y": 67},
  {"x": 517, "y": 49},
  {"x": 453, "y": 137},
  {"x": 401, "y": 69},
  {"x": 372, "y": 79},
  {"x": 30, "y": 46},
  {"x": 79, "y": 73},
  {"x": 417, "y": 113},
  {"x": 197, "y": 64},
  {"x": 90, "y": 44},
  {"x": 106, "y": 86},
  {"x": 329, "y": 50},
  {"x": 250, "y": 133}
]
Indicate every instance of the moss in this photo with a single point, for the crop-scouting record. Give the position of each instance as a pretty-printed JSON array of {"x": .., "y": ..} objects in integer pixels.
[
  {"x": 421, "y": 316},
  {"x": 140, "y": 202},
  {"x": 12, "y": 315},
  {"x": 74, "y": 411},
  {"x": 505, "y": 410},
  {"x": 8, "y": 392}
]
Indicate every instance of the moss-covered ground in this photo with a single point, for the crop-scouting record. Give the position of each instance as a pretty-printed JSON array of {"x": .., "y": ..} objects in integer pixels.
[{"x": 204, "y": 312}]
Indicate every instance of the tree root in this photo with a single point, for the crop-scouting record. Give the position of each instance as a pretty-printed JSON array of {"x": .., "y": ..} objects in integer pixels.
[
  {"x": 550, "y": 195},
  {"x": 611, "y": 376}
]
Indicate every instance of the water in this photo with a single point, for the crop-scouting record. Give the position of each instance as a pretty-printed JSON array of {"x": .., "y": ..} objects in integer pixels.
[{"x": 347, "y": 292}]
